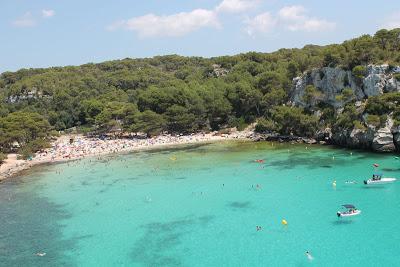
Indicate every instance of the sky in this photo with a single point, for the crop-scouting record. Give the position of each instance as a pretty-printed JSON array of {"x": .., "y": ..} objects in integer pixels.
[{"x": 44, "y": 33}]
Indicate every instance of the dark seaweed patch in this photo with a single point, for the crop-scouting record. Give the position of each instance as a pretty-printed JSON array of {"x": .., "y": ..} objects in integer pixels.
[
  {"x": 310, "y": 161},
  {"x": 153, "y": 249},
  {"x": 31, "y": 224}
]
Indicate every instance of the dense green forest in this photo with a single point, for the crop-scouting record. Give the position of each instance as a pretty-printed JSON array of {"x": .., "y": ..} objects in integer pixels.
[{"x": 180, "y": 94}]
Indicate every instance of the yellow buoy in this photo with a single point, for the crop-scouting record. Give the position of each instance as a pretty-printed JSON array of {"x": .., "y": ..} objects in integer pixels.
[
  {"x": 284, "y": 222},
  {"x": 172, "y": 158}
]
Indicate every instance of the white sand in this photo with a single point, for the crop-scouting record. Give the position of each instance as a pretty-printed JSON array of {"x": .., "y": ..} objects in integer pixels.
[{"x": 82, "y": 147}]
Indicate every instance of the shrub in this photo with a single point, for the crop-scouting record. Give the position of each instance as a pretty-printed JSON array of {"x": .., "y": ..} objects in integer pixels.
[
  {"x": 397, "y": 77},
  {"x": 32, "y": 147},
  {"x": 376, "y": 105},
  {"x": 311, "y": 95},
  {"x": 328, "y": 113},
  {"x": 373, "y": 120},
  {"x": 265, "y": 126},
  {"x": 339, "y": 98},
  {"x": 358, "y": 125},
  {"x": 383, "y": 119},
  {"x": 239, "y": 123},
  {"x": 348, "y": 94},
  {"x": 346, "y": 119},
  {"x": 359, "y": 72},
  {"x": 293, "y": 120},
  {"x": 2, "y": 157}
]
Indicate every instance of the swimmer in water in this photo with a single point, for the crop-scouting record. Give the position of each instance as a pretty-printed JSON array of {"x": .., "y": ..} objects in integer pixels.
[
  {"x": 41, "y": 254},
  {"x": 309, "y": 256},
  {"x": 350, "y": 182}
]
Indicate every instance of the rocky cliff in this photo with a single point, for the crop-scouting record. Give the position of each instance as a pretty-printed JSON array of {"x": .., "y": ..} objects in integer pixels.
[{"x": 330, "y": 84}]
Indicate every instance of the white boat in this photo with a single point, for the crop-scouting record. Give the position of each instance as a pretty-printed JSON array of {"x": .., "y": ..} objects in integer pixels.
[
  {"x": 351, "y": 211},
  {"x": 378, "y": 179}
]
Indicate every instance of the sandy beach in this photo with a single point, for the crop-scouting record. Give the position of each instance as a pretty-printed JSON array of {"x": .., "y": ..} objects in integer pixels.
[{"x": 81, "y": 147}]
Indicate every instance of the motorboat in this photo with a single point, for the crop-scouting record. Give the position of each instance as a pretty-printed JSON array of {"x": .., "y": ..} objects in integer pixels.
[
  {"x": 351, "y": 210},
  {"x": 378, "y": 179}
]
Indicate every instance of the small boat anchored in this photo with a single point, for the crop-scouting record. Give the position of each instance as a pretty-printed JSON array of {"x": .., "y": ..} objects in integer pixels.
[
  {"x": 378, "y": 179},
  {"x": 351, "y": 211}
]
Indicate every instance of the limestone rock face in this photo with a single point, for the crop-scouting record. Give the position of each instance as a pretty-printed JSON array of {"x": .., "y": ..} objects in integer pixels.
[
  {"x": 383, "y": 141},
  {"x": 383, "y": 138},
  {"x": 331, "y": 82},
  {"x": 355, "y": 138},
  {"x": 218, "y": 71},
  {"x": 324, "y": 135},
  {"x": 361, "y": 138}
]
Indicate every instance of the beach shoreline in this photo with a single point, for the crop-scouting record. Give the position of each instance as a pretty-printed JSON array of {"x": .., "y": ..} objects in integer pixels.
[{"x": 63, "y": 150}]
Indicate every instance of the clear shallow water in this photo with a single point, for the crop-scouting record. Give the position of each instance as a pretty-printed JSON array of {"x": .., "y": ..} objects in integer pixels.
[{"x": 202, "y": 209}]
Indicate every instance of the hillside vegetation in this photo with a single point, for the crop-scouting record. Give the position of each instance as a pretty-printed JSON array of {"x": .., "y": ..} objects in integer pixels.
[{"x": 186, "y": 94}]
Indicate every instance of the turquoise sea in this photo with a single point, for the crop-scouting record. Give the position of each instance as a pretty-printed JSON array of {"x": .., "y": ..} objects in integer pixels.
[{"x": 200, "y": 206}]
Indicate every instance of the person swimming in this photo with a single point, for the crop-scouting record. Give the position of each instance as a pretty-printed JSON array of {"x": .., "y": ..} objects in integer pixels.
[
  {"x": 351, "y": 182},
  {"x": 41, "y": 254},
  {"x": 309, "y": 256}
]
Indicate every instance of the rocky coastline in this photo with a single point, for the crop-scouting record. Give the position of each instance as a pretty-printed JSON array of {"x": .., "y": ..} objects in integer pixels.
[
  {"x": 381, "y": 143},
  {"x": 330, "y": 83}
]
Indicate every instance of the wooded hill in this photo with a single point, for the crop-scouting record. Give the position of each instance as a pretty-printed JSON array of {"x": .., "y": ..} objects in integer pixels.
[{"x": 180, "y": 94}]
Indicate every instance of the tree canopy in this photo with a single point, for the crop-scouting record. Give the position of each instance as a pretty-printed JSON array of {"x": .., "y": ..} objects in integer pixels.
[{"x": 182, "y": 94}]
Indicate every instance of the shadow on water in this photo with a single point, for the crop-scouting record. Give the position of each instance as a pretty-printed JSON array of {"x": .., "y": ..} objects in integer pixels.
[
  {"x": 391, "y": 169},
  {"x": 342, "y": 222},
  {"x": 240, "y": 205},
  {"x": 159, "y": 239},
  {"x": 374, "y": 187},
  {"x": 31, "y": 224}
]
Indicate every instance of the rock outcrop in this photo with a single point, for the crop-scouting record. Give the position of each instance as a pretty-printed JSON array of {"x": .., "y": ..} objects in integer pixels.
[
  {"x": 396, "y": 137},
  {"x": 383, "y": 138},
  {"x": 330, "y": 82},
  {"x": 380, "y": 140},
  {"x": 356, "y": 138}
]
